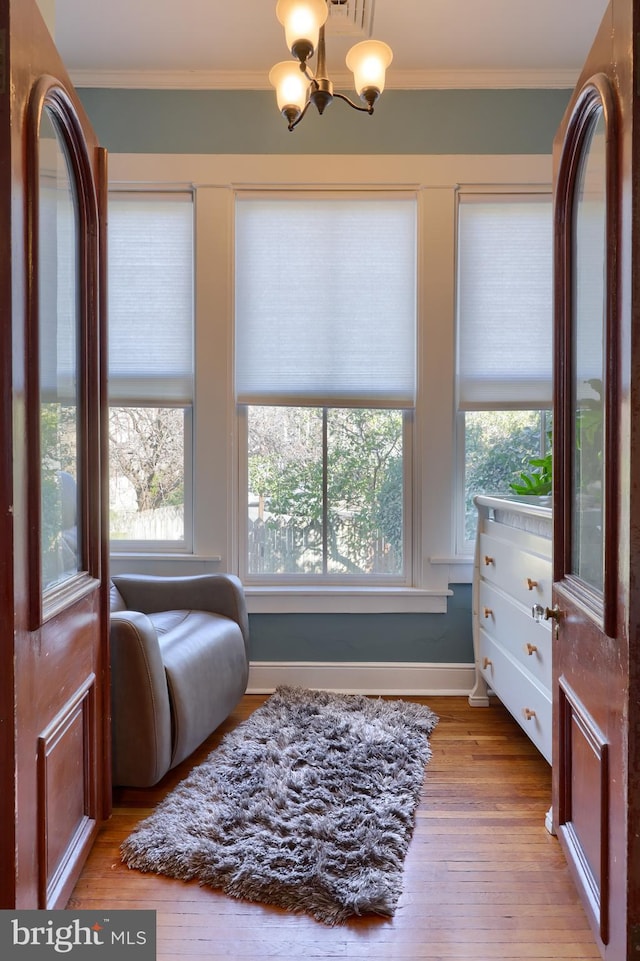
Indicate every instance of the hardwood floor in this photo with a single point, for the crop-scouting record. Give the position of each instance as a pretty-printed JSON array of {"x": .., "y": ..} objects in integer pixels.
[{"x": 483, "y": 880}]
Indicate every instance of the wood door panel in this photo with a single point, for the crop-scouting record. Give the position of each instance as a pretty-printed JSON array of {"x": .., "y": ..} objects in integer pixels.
[
  {"x": 67, "y": 809},
  {"x": 54, "y": 657},
  {"x": 583, "y": 802},
  {"x": 596, "y": 655}
]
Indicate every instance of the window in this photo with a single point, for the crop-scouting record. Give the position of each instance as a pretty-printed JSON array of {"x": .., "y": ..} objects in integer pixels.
[
  {"x": 150, "y": 370},
  {"x": 497, "y": 447},
  {"x": 282, "y": 353},
  {"x": 61, "y": 400},
  {"x": 504, "y": 292},
  {"x": 330, "y": 491},
  {"x": 326, "y": 379}
]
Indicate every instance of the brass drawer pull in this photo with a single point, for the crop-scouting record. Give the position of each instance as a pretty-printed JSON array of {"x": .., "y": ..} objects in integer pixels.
[
  {"x": 488, "y": 561},
  {"x": 487, "y": 662},
  {"x": 488, "y": 612},
  {"x": 530, "y": 649},
  {"x": 531, "y": 584},
  {"x": 529, "y": 715}
]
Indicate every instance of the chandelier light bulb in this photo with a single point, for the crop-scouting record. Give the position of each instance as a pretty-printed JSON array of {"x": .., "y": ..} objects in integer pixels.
[
  {"x": 302, "y": 20},
  {"x": 368, "y": 61},
  {"x": 291, "y": 86}
]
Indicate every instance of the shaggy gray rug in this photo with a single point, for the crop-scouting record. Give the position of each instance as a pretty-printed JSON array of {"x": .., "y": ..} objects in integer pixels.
[{"x": 309, "y": 805}]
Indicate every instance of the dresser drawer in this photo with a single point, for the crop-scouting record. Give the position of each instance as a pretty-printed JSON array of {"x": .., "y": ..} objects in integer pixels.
[
  {"x": 527, "y": 641},
  {"x": 525, "y": 575},
  {"x": 523, "y": 698}
]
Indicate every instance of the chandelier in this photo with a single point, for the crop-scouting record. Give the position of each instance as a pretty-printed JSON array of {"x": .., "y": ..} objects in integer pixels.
[{"x": 297, "y": 86}]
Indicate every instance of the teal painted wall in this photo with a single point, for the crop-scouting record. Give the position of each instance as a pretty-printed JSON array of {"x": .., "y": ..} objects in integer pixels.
[
  {"x": 405, "y": 122},
  {"x": 412, "y": 638},
  {"x": 248, "y": 121}
]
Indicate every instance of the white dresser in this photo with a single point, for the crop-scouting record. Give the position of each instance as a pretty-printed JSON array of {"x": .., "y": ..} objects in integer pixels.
[{"x": 511, "y": 590}]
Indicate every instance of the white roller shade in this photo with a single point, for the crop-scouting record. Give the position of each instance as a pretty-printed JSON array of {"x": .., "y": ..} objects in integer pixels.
[
  {"x": 505, "y": 303},
  {"x": 151, "y": 299},
  {"x": 326, "y": 301}
]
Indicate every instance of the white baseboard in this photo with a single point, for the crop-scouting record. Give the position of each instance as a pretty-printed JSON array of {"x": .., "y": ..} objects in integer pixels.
[{"x": 363, "y": 678}]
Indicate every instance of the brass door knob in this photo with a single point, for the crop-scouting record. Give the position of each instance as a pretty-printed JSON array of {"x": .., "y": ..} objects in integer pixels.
[{"x": 554, "y": 614}]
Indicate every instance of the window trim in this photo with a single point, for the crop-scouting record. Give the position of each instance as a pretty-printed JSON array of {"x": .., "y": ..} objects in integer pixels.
[
  {"x": 478, "y": 194},
  {"x": 437, "y": 178},
  {"x": 185, "y": 399}
]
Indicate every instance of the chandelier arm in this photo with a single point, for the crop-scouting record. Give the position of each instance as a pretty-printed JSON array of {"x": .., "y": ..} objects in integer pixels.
[
  {"x": 300, "y": 116},
  {"x": 368, "y": 109}
]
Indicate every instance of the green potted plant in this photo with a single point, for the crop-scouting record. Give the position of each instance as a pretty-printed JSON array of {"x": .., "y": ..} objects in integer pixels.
[{"x": 537, "y": 481}]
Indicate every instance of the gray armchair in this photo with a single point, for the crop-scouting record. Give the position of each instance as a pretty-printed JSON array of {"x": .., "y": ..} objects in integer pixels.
[{"x": 179, "y": 666}]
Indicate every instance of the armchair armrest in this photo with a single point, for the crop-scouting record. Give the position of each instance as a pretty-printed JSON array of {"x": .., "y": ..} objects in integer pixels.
[
  {"x": 216, "y": 593},
  {"x": 141, "y": 714}
]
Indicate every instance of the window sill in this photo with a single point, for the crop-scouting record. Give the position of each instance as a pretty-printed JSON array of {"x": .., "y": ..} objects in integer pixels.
[
  {"x": 460, "y": 567},
  {"x": 137, "y": 555},
  {"x": 345, "y": 600},
  {"x": 161, "y": 562},
  {"x": 299, "y": 599}
]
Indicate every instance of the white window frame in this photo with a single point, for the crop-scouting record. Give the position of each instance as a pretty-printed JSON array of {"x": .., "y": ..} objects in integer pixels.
[
  {"x": 143, "y": 549},
  {"x": 436, "y": 180},
  {"x": 463, "y": 546},
  {"x": 369, "y": 581}
]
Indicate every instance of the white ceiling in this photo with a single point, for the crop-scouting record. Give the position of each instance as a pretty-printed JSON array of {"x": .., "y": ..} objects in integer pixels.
[{"x": 233, "y": 43}]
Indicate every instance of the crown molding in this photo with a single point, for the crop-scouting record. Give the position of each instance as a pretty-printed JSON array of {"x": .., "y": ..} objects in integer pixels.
[{"x": 257, "y": 80}]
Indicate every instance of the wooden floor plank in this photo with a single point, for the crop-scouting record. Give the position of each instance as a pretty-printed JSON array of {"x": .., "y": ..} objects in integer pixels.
[{"x": 483, "y": 878}]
